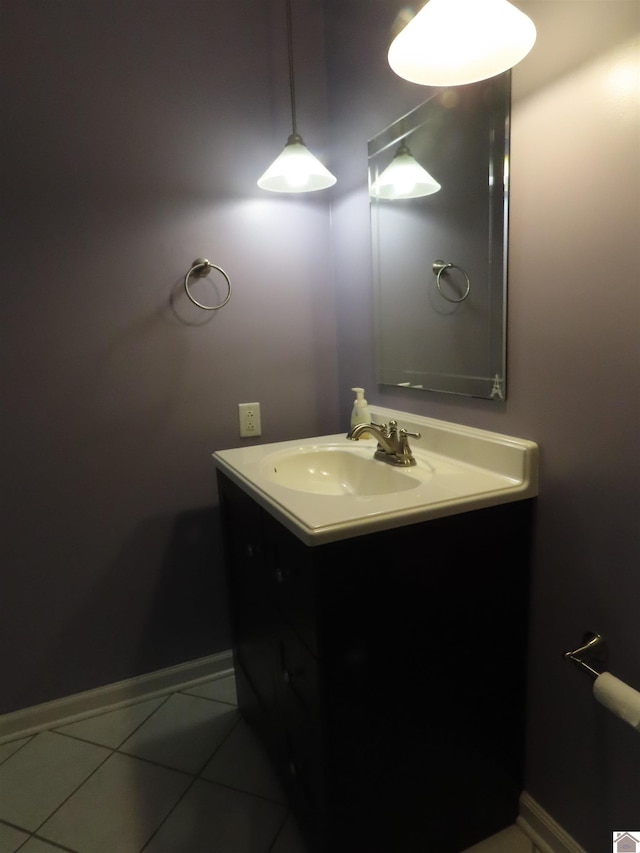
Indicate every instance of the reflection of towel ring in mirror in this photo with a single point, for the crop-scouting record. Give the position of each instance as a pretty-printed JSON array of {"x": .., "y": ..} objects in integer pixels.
[
  {"x": 201, "y": 268},
  {"x": 439, "y": 267}
]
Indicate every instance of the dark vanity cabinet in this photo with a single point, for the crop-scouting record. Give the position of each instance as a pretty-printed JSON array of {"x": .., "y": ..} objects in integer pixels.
[{"x": 385, "y": 673}]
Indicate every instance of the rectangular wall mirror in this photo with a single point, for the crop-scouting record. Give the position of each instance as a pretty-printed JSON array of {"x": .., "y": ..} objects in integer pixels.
[{"x": 440, "y": 260}]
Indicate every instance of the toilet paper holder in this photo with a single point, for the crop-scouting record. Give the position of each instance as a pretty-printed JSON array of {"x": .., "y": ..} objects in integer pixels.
[
  {"x": 612, "y": 693},
  {"x": 592, "y": 656}
]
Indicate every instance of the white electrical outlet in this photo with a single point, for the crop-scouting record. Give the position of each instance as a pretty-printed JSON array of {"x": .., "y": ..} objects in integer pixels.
[{"x": 249, "y": 417}]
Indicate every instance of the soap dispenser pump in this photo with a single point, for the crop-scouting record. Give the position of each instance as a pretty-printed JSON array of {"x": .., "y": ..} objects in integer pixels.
[{"x": 360, "y": 413}]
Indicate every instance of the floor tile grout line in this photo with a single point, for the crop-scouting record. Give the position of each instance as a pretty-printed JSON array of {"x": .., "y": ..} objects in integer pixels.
[
  {"x": 112, "y": 752},
  {"x": 46, "y": 841},
  {"x": 17, "y": 826},
  {"x": 193, "y": 782},
  {"x": 193, "y": 691},
  {"x": 280, "y": 831},
  {"x": 197, "y": 778},
  {"x": 208, "y": 699},
  {"x": 153, "y": 763},
  {"x": 97, "y": 716},
  {"x": 198, "y": 774},
  {"x": 75, "y": 791},
  {"x": 97, "y": 713},
  {"x": 119, "y": 750},
  {"x": 195, "y": 774},
  {"x": 168, "y": 814},
  {"x": 205, "y": 698},
  {"x": 228, "y": 787},
  {"x": 15, "y": 752},
  {"x": 244, "y": 791}
]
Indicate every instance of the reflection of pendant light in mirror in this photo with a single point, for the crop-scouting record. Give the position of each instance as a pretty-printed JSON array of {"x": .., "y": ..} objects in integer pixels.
[
  {"x": 404, "y": 177},
  {"x": 451, "y": 42},
  {"x": 295, "y": 170}
]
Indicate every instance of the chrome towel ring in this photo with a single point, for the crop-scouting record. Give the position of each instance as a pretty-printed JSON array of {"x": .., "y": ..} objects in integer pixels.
[
  {"x": 200, "y": 268},
  {"x": 439, "y": 267}
]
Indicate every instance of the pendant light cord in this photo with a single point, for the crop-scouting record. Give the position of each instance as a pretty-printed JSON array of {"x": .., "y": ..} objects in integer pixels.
[{"x": 291, "y": 79}]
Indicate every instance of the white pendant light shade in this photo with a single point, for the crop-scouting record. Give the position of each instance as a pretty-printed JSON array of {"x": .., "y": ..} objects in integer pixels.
[
  {"x": 452, "y": 42},
  {"x": 404, "y": 177},
  {"x": 296, "y": 170}
]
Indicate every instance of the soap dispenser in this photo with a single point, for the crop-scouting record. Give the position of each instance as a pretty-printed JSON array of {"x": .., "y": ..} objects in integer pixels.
[{"x": 360, "y": 413}]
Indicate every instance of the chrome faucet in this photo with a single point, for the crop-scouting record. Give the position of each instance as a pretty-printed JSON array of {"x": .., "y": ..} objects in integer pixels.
[{"x": 393, "y": 443}]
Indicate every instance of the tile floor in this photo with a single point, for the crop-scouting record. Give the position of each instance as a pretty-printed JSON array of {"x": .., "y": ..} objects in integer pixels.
[{"x": 177, "y": 773}]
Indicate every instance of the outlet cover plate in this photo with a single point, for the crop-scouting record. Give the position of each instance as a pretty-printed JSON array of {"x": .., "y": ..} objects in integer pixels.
[{"x": 249, "y": 420}]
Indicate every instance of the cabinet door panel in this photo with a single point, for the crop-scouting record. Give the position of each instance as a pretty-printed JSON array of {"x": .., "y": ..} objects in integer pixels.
[
  {"x": 290, "y": 566},
  {"x": 254, "y": 623},
  {"x": 300, "y": 744},
  {"x": 299, "y": 674}
]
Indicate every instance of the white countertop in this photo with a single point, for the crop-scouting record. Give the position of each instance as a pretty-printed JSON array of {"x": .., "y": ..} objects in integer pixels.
[{"x": 458, "y": 469}]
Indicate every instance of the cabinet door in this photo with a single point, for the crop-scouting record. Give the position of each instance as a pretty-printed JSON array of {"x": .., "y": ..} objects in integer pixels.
[
  {"x": 290, "y": 569},
  {"x": 299, "y": 721},
  {"x": 253, "y": 618}
]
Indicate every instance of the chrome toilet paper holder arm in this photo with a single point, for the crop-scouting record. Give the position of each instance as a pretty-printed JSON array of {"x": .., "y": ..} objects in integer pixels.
[{"x": 592, "y": 656}]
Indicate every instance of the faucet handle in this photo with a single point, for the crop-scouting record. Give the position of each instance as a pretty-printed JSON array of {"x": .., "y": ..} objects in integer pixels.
[{"x": 410, "y": 434}]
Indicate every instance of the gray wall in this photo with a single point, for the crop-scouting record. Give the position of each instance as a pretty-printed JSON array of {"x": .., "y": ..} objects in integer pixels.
[
  {"x": 134, "y": 133},
  {"x": 573, "y": 361}
]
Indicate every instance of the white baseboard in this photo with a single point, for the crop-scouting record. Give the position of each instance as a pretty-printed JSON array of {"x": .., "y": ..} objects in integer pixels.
[
  {"x": 547, "y": 836},
  {"x": 69, "y": 709}
]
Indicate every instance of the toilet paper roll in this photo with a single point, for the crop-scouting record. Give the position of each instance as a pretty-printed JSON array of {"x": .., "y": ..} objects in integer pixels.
[{"x": 619, "y": 698}]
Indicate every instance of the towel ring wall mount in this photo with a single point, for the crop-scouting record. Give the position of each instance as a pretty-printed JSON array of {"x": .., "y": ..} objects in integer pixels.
[
  {"x": 442, "y": 266},
  {"x": 200, "y": 268}
]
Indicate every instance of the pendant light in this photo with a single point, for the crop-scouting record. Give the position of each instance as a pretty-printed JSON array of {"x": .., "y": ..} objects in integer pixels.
[
  {"x": 451, "y": 42},
  {"x": 404, "y": 177},
  {"x": 295, "y": 170}
]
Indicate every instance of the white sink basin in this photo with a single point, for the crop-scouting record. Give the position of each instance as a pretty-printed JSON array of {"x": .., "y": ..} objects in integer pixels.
[
  {"x": 328, "y": 488},
  {"x": 336, "y": 470}
]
